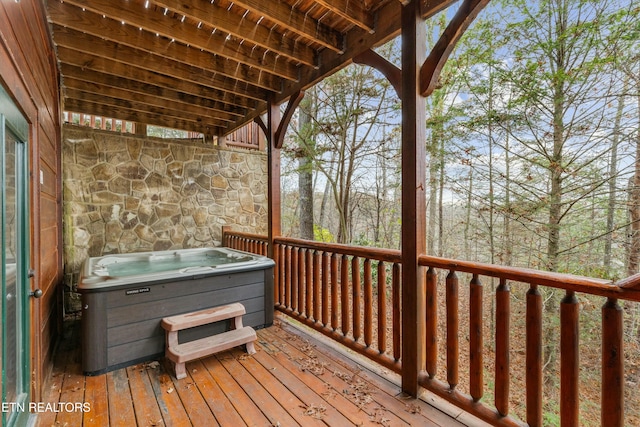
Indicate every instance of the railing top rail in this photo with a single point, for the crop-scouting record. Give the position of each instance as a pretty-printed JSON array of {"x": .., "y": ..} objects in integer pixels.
[
  {"x": 388, "y": 255},
  {"x": 587, "y": 285},
  {"x": 626, "y": 289},
  {"x": 244, "y": 235}
]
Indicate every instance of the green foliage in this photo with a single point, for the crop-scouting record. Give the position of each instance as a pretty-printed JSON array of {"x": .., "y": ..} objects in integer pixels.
[{"x": 321, "y": 234}]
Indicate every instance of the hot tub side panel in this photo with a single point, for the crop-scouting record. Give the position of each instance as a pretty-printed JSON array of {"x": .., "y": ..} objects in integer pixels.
[{"x": 122, "y": 325}]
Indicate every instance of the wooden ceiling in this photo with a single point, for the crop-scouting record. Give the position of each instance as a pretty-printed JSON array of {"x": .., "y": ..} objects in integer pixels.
[{"x": 208, "y": 65}]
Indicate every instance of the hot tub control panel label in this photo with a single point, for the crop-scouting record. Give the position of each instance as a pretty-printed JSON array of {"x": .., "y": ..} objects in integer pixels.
[{"x": 137, "y": 291}]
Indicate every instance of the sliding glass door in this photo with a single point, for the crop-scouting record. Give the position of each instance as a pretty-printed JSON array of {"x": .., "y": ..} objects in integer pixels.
[{"x": 15, "y": 264}]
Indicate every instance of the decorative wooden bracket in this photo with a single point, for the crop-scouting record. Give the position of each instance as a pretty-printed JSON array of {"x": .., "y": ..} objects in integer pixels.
[
  {"x": 294, "y": 101},
  {"x": 430, "y": 71},
  {"x": 389, "y": 70},
  {"x": 260, "y": 122}
]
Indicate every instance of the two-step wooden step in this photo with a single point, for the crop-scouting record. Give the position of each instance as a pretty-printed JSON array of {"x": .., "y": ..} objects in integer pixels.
[{"x": 185, "y": 352}]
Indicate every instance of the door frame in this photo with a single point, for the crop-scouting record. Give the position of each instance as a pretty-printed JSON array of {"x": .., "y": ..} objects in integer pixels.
[{"x": 12, "y": 120}]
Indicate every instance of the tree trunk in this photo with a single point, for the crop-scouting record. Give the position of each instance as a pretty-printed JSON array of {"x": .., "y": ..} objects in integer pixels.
[
  {"x": 634, "y": 206},
  {"x": 305, "y": 169},
  {"x": 613, "y": 170}
]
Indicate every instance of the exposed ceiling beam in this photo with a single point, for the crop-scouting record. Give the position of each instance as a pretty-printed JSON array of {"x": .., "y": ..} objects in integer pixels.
[
  {"x": 175, "y": 109},
  {"x": 127, "y": 35},
  {"x": 298, "y": 23},
  {"x": 138, "y": 117},
  {"x": 96, "y": 63},
  {"x": 352, "y": 11},
  {"x": 134, "y": 105},
  {"x": 111, "y": 51},
  {"x": 137, "y": 15},
  {"x": 236, "y": 25},
  {"x": 138, "y": 88}
]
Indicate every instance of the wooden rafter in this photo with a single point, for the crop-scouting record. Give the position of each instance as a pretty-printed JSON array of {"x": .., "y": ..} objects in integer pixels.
[
  {"x": 136, "y": 88},
  {"x": 236, "y": 25},
  {"x": 352, "y": 11},
  {"x": 218, "y": 59},
  {"x": 109, "y": 51},
  {"x": 66, "y": 20},
  {"x": 296, "y": 22},
  {"x": 215, "y": 42}
]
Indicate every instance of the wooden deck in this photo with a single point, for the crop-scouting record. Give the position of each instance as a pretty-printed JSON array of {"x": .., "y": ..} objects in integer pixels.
[{"x": 293, "y": 379}]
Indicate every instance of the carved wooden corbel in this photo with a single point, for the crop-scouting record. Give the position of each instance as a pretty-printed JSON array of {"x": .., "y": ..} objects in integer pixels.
[
  {"x": 389, "y": 70},
  {"x": 430, "y": 70}
]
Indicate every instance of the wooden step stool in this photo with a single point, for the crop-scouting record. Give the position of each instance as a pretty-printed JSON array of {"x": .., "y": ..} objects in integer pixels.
[{"x": 182, "y": 353}]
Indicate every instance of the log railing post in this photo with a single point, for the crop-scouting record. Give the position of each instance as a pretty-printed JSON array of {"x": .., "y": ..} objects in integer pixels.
[
  {"x": 534, "y": 357},
  {"x": 431, "y": 322},
  {"x": 368, "y": 303},
  {"x": 476, "y": 341},
  {"x": 612, "y": 407},
  {"x": 569, "y": 360},
  {"x": 503, "y": 378},
  {"x": 453, "y": 310},
  {"x": 382, "y": 307}
]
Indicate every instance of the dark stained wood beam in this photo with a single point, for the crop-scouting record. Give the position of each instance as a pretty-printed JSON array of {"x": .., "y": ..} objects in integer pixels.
[
  {"x": 137, "y": 116},
  {"x": 134, "y": 105},
  {"x": 136, "y": 88},
  {"x": 73, "y": 18},
  {"x": 274, "y": 216},
  {"x": 413, "y": 197},
  {"x": 147, "y": 102},
  {"x": 234, "y": 24},
  {"x": 390, "y": 71},
  {"x": 430, "y": 72},
  {"x": 104, "y": 65},
  {"x": 296, "y": 22},
  {"x": 137, "y": 15},
  {"x": 110, "y": 51},
  {"x": 352, "y": 11}
]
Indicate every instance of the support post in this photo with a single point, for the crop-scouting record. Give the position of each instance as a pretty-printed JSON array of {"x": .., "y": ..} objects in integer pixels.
[
  {"x": 413, "y": 197},
  {"x": 274, "y": 209}
]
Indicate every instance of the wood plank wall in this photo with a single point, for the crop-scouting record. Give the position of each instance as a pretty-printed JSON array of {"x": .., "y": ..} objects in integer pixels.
[{"x": 28, "y": 72}]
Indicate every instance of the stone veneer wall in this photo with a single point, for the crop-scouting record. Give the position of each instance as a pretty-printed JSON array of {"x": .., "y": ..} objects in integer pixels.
[{"x": 124, "y": 194}]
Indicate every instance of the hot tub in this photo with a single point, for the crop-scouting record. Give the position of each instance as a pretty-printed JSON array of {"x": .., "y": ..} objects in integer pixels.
[{"x": 124, "y": 297}]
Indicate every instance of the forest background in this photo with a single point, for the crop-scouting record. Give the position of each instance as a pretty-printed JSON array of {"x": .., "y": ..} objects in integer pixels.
[{"x": 533, "y": 160}]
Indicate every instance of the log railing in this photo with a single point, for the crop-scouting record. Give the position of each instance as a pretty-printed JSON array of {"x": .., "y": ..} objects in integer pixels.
[{"x": 336, "y": 289}]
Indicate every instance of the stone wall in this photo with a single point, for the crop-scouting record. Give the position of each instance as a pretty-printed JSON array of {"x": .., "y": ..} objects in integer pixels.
[{"x": 124, "y": 194}]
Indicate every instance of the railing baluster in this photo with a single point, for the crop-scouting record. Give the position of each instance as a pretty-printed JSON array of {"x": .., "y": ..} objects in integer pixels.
[
  {"x": 569, "y": 360},
  {"x": 534, "y": 356},
  {"x": 503, "y": 378},
  {"x": 368, "y": 303},
  {"x": 431, "y": 322},
  {"x": 357, "y": 299},
  {"x": 476, "y": 370},
  {"x": 309, "y": 285},
  {"x": 382, "y": 307},
  {"x": 453, "y": 347},
  {"x": 344, "y": 294},
  {"x": 325, "y": 288},
  {"x": 334, "y": 291},
  {"x": 294, "y": 280},
  {"x": 289, "y": 271},
  {"x": 276, "y": 275},
  {"x": 612, "y": 407},
  {"x": 316, "y": 285},
  {"x": 302, "y": 267},
  {"x": 397, "y": 332}
]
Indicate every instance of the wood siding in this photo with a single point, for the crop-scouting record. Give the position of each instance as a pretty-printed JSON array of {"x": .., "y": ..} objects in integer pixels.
[{"x": 29, "y": 74}]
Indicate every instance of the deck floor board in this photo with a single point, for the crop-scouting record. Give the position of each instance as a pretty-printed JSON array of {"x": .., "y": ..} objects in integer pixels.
[{"x": 293, "y": 379}]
